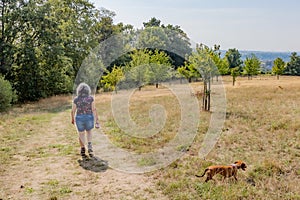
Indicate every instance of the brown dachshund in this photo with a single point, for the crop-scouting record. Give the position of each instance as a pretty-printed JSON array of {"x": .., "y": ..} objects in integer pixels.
[{"x": 225, "y": 170}]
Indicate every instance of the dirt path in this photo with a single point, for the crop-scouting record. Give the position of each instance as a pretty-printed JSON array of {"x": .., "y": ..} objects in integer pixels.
[{"x": 47, "y": 165}]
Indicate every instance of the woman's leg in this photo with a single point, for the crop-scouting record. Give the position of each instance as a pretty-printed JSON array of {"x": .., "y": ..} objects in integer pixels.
[
  {"x": 89, "y": 136},
  {"x": 81, "y": 139},
  {"x": 89, "y": 139},
  {"x": 82, "y": 143}
]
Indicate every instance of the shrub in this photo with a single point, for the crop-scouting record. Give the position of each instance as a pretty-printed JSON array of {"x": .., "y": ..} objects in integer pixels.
[{"x": 7, "y": 94}]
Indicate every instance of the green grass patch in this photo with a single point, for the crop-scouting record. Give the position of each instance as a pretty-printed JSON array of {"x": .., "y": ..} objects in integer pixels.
[
  {"x": 29, "y": 190},
  {"x": 146, "y": 162},
  {"x": 65, "y": 190},
  {"x": 63, "y": 149}
]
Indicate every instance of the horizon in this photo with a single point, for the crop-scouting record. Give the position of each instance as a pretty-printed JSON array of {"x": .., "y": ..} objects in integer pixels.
[
  {"x": 262, "y": 51},
  {"x": 269, "y": 26}
]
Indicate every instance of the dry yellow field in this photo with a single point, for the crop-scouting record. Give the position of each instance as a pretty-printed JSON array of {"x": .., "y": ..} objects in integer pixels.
[{"x": 39, "y": 151}]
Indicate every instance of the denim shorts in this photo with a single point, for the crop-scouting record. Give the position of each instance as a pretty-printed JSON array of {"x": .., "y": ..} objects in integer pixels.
[{"x": 84, "y": 122}]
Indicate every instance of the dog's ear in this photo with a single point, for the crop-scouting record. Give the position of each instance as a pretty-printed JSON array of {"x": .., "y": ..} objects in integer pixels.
[{"x": 238, "y": 162}]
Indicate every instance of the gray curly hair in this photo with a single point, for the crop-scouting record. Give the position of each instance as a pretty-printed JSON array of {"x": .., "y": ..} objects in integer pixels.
[{"x": 83, "y": 89}]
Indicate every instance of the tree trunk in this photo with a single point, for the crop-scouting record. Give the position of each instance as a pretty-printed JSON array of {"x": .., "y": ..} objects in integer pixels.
[
  {"x": 208, "y": 93},
  {"x": 204, "y": 95},
  {"x": 233, "y": 80}
]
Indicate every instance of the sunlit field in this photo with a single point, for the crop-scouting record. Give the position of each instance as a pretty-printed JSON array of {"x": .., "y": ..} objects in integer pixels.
[
  {"x": 39, "y": 152},
  {"x": 262, "y": 128}
]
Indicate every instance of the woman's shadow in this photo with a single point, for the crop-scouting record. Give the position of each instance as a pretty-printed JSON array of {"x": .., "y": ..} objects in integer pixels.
[{"x": 94, "y": 164}]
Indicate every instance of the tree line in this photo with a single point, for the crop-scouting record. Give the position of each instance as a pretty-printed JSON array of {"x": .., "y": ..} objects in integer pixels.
[{"x": 43, "y": 44}]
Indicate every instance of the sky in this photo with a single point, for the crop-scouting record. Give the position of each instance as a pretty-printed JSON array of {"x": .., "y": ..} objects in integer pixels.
[{"x": 261, "y": 25}]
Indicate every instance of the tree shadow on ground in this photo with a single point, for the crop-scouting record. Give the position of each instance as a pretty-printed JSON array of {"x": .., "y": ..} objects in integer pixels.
[{"x": 94, "y": 164}]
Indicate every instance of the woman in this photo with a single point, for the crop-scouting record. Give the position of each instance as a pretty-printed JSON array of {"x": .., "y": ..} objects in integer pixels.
[{"x": 85, "y": 111}]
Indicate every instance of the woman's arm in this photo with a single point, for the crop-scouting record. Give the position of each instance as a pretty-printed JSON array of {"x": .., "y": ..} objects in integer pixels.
[
  {"x": 95, "y": 112},
  {"x": 74, "y": 108}
]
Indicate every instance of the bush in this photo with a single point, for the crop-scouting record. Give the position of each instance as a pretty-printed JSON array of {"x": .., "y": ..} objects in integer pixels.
[{"x": 7, "y": 94}]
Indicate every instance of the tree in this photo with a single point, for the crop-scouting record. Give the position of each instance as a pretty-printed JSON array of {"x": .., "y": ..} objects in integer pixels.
[
  {"x": 159, "y": 68},
  {"x": 153, "y": 38},
  {"x": 179, "y": 46},
  {"x": 81, "y": 27},
  {"x": 171, "y": 39},
  {"x": 26, "y": 71},
  {"x": 293, "y": 66},
  {"x": 202, "y": 61},
  {"x": 278, "y": 67},
  {"x": 147, "y": 67},
  {"x": 220, "y": 63},
  {"x": 152, "y": 23},
  {"x": 10, "y": 27},
  {"x": 111, "y": 80},
  {"x": 233, "y": 57},
  {"x": 136, "y": 69},
  {"x": 223, "y": 66},
  {"x": 252, "y": 66},
  {"x": 188, "y": 71},
  {"x": 43, "y": 43}
]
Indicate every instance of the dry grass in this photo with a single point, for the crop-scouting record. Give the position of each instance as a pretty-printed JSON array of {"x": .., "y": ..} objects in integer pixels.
[
  {"x": 140, "y": 106},
  {"x": 39, "y": 149},
  {"x": 262, "y": 128}
]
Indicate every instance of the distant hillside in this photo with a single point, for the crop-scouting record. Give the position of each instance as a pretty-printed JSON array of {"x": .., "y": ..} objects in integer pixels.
[{"x": 266, "y": 57}]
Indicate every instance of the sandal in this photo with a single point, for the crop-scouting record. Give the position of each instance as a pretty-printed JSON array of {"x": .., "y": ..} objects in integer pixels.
[
  {"x": 82, "y": 152},
  {"x": 90, "y": 152},
  {"x": 90, "y": 149}
]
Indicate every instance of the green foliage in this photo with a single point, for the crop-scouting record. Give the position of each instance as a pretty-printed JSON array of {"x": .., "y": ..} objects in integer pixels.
[
  {"x": 252, "y": 66},
  {"x": 171, "y": 39},
  {"x": 152, "y": 22},
  {"x": 188, "y": 71},
  {"x": 159, "y": 68},
  {"x": 9, "y": 30},
  {"x": 111, "y": 80},
  {"x": 153, "y": 37},
  {"x": 223, "y": 66},
  {"x": 234, "y": 60},
  {"x": 293, "y": 66},
  {"x": 221, "y": 63},
  {"x": 135, "y": 70},
  {"x": 147, "y": 67},
  {"x": 202, "y": 61},
  {"x": 7, "y": 95},
  {"x": 278, "y": 67},
  {"x": 43, "y": 43}
]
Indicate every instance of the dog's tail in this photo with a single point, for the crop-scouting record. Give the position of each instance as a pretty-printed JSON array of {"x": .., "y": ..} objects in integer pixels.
[{"x": 203, "y": 173}]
